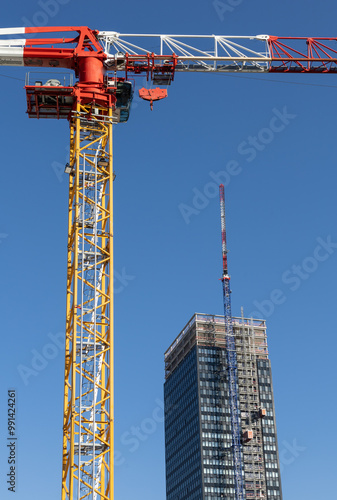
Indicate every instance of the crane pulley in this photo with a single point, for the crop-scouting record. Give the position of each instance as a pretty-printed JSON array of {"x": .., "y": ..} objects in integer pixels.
[{"x": 152, "y": 95}]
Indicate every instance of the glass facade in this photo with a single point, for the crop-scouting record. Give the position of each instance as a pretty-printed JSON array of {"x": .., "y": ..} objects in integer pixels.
[
  {"x": 270, "y": 447},
  {"x": 198, "y": 439},
  {"x": 217, "y": 456},
  {"x": 182, "y": 432}
]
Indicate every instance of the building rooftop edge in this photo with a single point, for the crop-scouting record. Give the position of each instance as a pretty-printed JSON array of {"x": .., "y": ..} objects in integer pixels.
[{"x": 216, "y": 318}]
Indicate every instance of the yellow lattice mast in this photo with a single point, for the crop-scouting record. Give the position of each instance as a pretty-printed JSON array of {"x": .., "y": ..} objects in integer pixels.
[
  {"x": 88, "y": 394},
  {"x": 97, "y": 100}
]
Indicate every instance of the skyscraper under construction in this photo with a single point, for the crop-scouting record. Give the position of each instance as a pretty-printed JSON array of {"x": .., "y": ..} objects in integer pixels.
[{"x": 200, "y": 458}]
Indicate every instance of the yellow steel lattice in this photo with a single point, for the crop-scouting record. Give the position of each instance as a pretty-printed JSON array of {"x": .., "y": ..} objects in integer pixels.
[{"x": 88, "y": 395}]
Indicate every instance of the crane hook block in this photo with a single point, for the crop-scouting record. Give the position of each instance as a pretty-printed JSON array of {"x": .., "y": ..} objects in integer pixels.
[{"x": 152, "y": 95}]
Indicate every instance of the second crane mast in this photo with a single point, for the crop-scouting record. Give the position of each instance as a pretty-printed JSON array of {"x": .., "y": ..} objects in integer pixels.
[{"x": 231, "y": 360}]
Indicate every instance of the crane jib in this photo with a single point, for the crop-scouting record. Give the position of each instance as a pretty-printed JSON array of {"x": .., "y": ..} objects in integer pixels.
[{"x": 192, "y": 53}]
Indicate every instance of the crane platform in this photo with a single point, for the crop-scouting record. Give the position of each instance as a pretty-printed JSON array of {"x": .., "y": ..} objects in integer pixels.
[{"x": 54, "y": 100}]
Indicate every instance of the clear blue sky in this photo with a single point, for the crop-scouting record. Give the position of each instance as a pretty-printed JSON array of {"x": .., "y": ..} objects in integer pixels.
[{"x": 281, "y": 213}]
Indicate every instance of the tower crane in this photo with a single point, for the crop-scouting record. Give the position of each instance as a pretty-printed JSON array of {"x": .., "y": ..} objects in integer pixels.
[
  {"x": 231, "y": 359},
  {"x": 101, "y": 96}
]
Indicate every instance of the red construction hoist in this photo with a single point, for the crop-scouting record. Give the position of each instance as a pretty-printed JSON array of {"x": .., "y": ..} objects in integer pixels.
[{"x": 104, "y": 63}]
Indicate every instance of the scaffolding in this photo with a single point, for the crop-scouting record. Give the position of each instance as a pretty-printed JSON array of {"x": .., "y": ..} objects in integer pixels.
[
  {"x": 248, "y": 347},
  {"x": 196, "y": 332}
]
